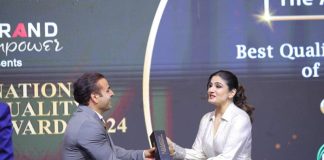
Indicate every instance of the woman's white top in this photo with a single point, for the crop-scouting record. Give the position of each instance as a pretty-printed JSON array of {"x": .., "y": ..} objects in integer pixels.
[{"x": 232, "y": 140}]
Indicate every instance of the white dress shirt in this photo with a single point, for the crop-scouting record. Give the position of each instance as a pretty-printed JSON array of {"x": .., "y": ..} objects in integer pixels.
[{"x": 232, "y": 140}]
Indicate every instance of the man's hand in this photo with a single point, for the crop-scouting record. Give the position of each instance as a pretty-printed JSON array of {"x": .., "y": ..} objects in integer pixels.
[{"x": 149, "y": 153}]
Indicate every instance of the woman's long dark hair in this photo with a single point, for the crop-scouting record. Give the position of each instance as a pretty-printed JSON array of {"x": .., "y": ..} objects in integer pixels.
[{"x": 239, "y": 99}]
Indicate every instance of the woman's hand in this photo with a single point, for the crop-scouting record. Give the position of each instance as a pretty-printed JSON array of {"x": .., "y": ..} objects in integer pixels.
[{"x": 171, "y": 148}]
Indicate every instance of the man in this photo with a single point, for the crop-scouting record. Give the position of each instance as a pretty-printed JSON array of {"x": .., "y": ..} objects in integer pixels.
[
  {"x": 6, "y": 149},
  {"x": 85, "y": 136}
]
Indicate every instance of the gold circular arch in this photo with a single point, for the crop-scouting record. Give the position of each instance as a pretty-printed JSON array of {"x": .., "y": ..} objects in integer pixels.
[{"x": 147, "y": 67}]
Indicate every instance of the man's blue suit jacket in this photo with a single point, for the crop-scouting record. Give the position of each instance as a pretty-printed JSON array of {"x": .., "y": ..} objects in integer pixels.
[{"x": 6, "y": 147}]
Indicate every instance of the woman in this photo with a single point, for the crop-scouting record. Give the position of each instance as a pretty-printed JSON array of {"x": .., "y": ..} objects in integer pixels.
[{"x": 224, "y": 133}]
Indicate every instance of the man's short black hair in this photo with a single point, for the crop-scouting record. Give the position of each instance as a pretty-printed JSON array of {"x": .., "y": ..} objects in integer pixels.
[{"x": 85, "y": 86}]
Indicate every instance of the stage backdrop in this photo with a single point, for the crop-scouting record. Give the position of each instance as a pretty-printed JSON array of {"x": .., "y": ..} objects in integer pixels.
[{"x": 275, "y": 48}]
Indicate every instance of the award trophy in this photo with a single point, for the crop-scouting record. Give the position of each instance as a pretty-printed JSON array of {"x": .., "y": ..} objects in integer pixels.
[{"x": 158, "y": 140}]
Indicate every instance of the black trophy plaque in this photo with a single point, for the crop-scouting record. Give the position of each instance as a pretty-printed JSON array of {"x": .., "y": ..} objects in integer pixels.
[{"x": 158, "y": 140}]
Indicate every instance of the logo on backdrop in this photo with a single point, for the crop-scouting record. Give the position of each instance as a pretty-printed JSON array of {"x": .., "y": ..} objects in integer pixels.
[
  {"x": 320, "y": 153},
  {"x": 27, "y": 38},
  {"x": 39, "y": 108}
]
